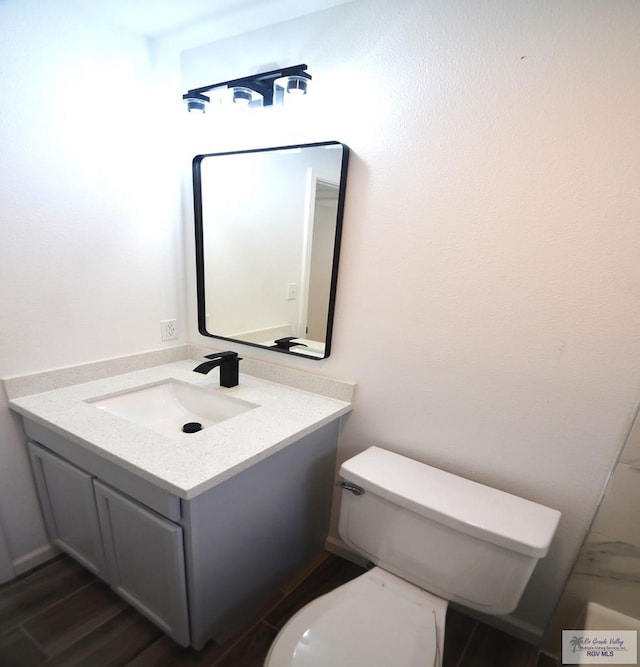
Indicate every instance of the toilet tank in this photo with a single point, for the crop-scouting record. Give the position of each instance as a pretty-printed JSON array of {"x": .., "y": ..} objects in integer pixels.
[{"x": 461, "y": 540}]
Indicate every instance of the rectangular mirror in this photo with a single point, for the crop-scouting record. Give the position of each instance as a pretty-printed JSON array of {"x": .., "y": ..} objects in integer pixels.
[{"x": 268, "y": 225}]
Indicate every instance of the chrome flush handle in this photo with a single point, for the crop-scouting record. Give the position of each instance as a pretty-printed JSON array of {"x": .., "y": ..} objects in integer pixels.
[{"x": 349, "y": 486}]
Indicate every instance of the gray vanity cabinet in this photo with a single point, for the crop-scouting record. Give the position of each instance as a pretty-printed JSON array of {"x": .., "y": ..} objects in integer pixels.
[
  {"x": 197, "y": 567},
  {"x": 145, "y": 560},
  {"x": 69, "y": 508}
]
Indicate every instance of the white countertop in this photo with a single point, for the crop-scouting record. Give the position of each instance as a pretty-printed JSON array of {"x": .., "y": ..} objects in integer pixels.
[{"x": 190, "y": 463}]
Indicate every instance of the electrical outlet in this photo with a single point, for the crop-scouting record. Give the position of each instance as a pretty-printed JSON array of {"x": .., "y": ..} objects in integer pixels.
[{"x": 168, "y": 329}]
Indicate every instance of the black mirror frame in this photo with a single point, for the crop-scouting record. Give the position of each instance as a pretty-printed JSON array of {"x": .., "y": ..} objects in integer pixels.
[{"x": 199, "y": 243}]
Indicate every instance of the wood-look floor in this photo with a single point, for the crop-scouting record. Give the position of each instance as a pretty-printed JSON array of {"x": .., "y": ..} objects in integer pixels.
[{"x": 59, "y": 614}]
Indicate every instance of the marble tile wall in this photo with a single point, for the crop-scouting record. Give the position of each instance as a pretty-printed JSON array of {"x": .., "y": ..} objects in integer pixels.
[{"x": 607, "y": 570}]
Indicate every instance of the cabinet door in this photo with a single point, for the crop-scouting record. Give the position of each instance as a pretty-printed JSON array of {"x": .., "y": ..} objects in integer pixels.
[
  {"x": 145, "y": 560},
  {"x": 69, "y": 508}
]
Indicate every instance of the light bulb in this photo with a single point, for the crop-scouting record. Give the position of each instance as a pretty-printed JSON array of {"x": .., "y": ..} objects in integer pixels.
[
  {"x": 195, "y": 104},
  {"x": 244, "y": 97},
  {"x": 290, "y": 88}
]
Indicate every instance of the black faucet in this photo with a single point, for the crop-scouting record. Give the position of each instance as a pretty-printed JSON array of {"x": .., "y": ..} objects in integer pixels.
[
  {"x": 228, "y": 362},
  {"x": 287, "y": 343}
]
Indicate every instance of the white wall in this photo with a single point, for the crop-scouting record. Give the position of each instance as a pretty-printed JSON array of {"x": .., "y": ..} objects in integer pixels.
[
  {"x": 488, "y": 298},
  {"x": 90, "y": 254}
]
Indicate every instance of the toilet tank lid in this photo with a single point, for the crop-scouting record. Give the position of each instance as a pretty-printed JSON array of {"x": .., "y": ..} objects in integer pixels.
[{"x": 470, "y": 507}]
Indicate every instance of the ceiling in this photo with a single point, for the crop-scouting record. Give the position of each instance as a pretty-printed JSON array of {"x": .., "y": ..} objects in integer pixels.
[{"x": 159, "y": 18}]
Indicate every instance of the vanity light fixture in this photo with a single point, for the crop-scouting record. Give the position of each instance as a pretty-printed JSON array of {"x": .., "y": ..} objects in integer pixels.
[
  {"x": 293, "y": 85},
  {"x": 244, "y": 96},
  {"x": 257, "y": 90}
]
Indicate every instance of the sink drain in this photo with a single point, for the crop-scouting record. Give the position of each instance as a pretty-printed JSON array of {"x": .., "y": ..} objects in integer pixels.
[{"x": 192, "y": 427}]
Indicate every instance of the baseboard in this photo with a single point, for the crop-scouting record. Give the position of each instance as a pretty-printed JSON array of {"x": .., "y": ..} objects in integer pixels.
[
  {"x": 336, "y": 546},
  {"x": 510, "y": 624},
  {"x": 34, "y": 558}
]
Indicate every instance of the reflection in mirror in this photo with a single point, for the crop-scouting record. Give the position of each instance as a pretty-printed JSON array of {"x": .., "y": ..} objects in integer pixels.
[{"x": 268, "y": 224}]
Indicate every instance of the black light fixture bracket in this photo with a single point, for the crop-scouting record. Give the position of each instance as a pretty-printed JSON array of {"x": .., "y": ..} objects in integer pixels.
[{"x": 261, "y": 83}]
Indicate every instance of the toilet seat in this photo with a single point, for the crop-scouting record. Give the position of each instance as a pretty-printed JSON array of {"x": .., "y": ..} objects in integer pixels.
[{"x": 375, "y": 620}]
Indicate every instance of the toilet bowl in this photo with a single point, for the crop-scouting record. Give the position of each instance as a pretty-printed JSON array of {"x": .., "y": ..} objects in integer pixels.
[
  {"x": 434, "y": 537},
  {"x": 375, "y": 620}
]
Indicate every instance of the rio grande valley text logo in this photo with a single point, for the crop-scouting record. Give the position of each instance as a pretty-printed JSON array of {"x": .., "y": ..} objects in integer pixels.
[{"x": 599, "y": 647}]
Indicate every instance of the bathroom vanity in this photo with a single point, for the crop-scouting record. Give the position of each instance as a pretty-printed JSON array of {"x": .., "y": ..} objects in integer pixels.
[{"x": 195, "y": 530}]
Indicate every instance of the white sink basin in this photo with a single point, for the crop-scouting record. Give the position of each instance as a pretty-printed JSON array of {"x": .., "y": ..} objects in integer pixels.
[{"x": 167, "y": 406}]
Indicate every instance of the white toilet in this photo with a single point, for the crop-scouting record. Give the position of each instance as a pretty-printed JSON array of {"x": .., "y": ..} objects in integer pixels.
[{"x": 426, "y": 530}]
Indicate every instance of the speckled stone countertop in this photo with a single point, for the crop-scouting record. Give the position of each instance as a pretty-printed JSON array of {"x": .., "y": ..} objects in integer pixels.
[{"x": 188, "y": 464}]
